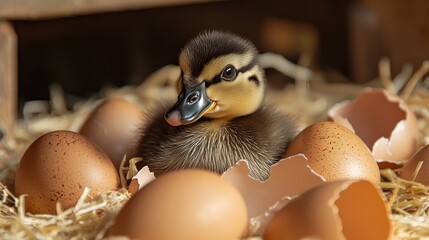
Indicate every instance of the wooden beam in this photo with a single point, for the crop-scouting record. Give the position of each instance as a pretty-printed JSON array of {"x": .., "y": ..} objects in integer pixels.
[
  {"x": 42, "y": 9},
  {"x": 8, "y": 78}
]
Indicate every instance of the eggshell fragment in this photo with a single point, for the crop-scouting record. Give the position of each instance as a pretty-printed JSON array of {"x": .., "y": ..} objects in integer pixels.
[
  {"x": 186, "y": 204},
  {"x": 344, "y": 209},
  {"x": 57, "y": 167},
  {"x": 407, "y": 172},
  {"x": 141, "y": 179},
  {"x": 335, "y": 152},
  {"x": 259, "y": 223},
  {"x": 113, "y": 126},
  {"x": 383, "y": 121},
  {"x": 260, "y": 195}
]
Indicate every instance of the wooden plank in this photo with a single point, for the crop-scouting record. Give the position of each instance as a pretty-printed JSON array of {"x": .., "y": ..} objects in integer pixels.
[
  {"x": 38, "y": 9},
  {"x": 365, "y": 43},
  {"x": 8, "y": 78}
]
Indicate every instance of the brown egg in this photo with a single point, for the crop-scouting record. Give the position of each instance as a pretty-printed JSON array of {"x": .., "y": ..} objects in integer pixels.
[
  {"x": 186, "y": 204},
  {"x": 344, "y": 209},
  {"x": 384, "y": 122},
  {"x": 57, "y": 167},
  {"x": 113, "y": 126},
  {"x": 335, "y": 152},
  {"x": 407, "y": 172}
]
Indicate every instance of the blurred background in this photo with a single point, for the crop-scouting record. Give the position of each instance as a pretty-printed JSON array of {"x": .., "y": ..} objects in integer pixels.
[{"x": 344, "y": 39}]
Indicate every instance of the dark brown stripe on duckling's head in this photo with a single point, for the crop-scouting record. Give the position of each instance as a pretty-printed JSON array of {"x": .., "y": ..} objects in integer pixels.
[
  {"x": 254, "y": 79},
  {"x": 217, "y": 79},
  {"x": 209, "y": 45}
]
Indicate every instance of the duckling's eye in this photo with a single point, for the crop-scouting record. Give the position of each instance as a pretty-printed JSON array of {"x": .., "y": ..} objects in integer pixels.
[{"x": 229, "y": 73}]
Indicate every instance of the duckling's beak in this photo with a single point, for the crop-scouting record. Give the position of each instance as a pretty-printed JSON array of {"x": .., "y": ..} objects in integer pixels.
[{"x": 193, "y": 103}]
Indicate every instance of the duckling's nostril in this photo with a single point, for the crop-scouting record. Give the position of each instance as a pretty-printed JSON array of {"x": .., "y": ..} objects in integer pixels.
[
  {"x": 193, "y": 98},
  {"x": 174, "y": 118}
]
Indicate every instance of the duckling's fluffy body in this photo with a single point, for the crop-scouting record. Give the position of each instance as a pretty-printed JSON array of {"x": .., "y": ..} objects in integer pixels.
[
  {"x": 219, "y": 117},
  {"x": 260, "y": 138}
]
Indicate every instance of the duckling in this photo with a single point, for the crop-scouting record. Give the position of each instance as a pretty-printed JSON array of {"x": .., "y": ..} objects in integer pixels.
[{"x": 219, "y": 117}]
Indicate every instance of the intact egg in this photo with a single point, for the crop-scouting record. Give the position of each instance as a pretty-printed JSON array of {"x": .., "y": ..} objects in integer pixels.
[
  {"x": 343, "y": 209},
  {"x": 113, "y": 126},
  {"x": 186, "y": 204},
  {"x": 410, "y": 167},
  {"x": 384, "y": 122},
  {"x": 335, "y": 152},
  {"x": 57, "y": 167}
]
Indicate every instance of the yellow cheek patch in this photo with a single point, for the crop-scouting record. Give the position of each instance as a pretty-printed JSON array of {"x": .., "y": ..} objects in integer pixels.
[{"x": 237, "y": 98}]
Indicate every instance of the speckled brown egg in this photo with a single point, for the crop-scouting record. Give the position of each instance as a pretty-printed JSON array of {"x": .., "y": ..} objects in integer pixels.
[
  {"x": 112, "y": 126},
  {"x": 186, "y": 204},
  {"x": 57, "y": 167},
  {"x": 335, "y": 152}
]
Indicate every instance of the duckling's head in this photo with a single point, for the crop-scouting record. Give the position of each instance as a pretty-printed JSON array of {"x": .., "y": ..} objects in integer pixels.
[{"x": 220, "y": 79}]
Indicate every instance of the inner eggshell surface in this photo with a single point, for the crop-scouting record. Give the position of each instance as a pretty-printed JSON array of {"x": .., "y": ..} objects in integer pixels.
[
  {"x": 410, "y": 167},
  {"x": 383, "y": 121},
  {"x": 283, "y": 182},
  {"x": 345, "y": 209}
]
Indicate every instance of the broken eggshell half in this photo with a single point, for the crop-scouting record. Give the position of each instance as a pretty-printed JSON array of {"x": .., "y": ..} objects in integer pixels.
[
  {"x": 289, "y": 177},
  {"x": 343, "y": 209},
  {"x": 412, "y": 169},
  {"x": 384, "y": 122},
  {"x": 258, "y": 195}
]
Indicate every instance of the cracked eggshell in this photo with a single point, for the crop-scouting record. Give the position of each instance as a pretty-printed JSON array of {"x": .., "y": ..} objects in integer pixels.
[
  {"x": 344, "y": 209},
  {"x": 288, "y": 178},
  {"x": 384, "y": 122},
  {"x": 335, "y": 152},
  {"x": 185, "y": 204},
  {"x": 261, "y": 195},
  {"x": 57, "y": 167},
  {"x": 407, "y": 172},
  {"x": 113, "y": 126},
  {"x": 141, "y": 179}
]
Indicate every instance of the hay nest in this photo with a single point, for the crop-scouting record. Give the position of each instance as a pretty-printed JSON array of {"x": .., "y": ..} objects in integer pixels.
[{"x": 90, "y": 218}]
